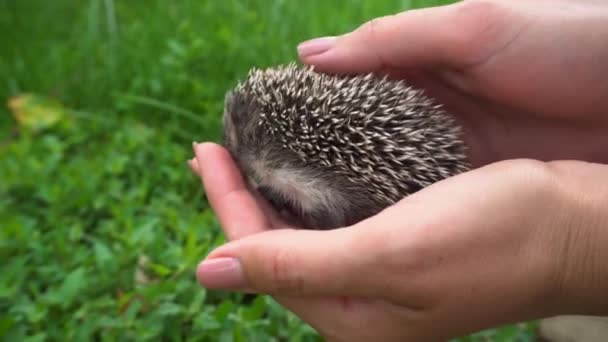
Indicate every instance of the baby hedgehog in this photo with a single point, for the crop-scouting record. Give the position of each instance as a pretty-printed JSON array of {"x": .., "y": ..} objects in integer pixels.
[{"x": 328, "y": 151}]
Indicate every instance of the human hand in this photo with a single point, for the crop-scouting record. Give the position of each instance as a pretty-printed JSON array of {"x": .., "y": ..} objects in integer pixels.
[
  {"x": 507, "y": 242},
  {"x": 526, "y": 79}
]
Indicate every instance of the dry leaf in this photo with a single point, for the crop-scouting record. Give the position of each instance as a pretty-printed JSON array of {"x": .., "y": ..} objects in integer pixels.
[{"x": 36, "y": 112}]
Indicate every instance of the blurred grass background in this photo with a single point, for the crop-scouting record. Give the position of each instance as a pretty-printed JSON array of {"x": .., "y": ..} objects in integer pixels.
[{"x": 101, "y": 222}]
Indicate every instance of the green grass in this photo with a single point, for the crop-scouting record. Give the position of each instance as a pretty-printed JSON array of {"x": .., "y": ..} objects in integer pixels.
[{"x": 84, "y": 202}]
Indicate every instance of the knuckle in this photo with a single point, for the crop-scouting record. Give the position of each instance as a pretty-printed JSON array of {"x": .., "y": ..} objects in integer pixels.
[
  {"x": 533, "y": 171},
  {"x": 375, "y": 34},
  {"x": 285, "y": 273},
  {"x": 479, "y": 25},
  {"x": 477, "y": 12},
  {"x": 537, "y": 178},
  {"x": 374, "y": 29},
  {"x": 478, "y": 7}
]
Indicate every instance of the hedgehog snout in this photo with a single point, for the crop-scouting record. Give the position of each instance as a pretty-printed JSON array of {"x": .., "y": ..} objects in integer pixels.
[{"x": 303, "y": 200}]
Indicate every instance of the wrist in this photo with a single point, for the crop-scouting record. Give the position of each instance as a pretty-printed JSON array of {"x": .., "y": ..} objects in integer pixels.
[{"x": 579, "y": 242}]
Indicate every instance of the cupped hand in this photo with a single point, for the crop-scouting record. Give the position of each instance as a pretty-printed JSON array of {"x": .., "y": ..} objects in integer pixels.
[
  {"x": 507, "y": 242},
  {"x": 527, "y": 79}
]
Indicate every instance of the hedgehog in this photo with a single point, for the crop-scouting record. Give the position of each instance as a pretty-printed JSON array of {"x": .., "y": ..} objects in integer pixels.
[{"x": 328, "y": 151}]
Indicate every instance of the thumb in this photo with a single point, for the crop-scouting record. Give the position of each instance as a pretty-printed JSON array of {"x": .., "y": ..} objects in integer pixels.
[
  {"x": 295, "y": 263},
  {"x": 436, "y": 36}
]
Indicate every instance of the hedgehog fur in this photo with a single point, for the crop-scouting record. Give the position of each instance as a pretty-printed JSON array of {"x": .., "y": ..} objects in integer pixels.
[{"x": 328, "y": 151}]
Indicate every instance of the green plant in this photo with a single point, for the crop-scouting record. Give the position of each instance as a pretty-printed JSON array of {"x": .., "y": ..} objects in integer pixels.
[{"x": 101, "y": 222}]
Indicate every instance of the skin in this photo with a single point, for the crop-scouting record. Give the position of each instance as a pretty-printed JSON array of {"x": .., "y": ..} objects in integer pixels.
[
  {"x": 516, "y": 73},
  {"x": 521, "y": 236}
]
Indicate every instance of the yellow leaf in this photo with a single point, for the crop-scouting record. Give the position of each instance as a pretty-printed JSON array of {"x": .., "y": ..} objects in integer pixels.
[{"x": 36, "y": 112}]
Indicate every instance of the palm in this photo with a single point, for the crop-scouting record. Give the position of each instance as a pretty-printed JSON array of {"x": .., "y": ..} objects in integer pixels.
[
  {"x": 341, "y": 318},
  {"x": 497, "y": 132}
]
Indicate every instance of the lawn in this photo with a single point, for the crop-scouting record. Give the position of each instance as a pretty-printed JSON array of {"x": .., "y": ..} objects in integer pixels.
[{"x": 101, "y": 222}]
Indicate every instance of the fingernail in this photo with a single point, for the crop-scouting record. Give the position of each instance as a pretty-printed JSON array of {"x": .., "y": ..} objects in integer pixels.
[
  {"x": 194, "y": 143},
  {"x": 221, "y": 273},
  {"x": 191, "y": 164},
  {"x": 315, "y": 46}
]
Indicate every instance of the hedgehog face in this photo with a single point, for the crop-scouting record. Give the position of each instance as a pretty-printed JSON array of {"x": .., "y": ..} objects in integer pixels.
[{"x": 305, "y": 195}]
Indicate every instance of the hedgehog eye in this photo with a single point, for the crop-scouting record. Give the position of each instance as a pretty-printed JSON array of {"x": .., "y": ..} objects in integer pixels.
[{"x": 256, "y": 179}]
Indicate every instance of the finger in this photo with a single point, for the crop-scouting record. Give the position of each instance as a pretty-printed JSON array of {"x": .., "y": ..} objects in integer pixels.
[
  {"x": 273, "y": 217},
  {"x": 300, "y": 263},
  {"x": 319, "y": 312},
  {"x": 194, "y": 166},
  {"x": 236, "y": 208},
  {"x": 436, "y": 36},
  {"x": 316, "y": 311},
  {"x": 331, "y": 315}
]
